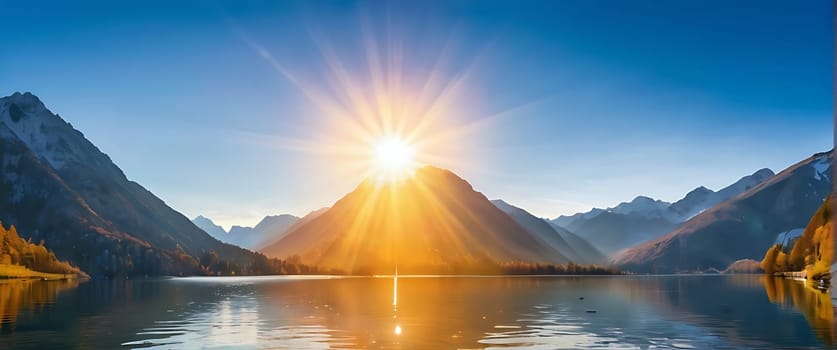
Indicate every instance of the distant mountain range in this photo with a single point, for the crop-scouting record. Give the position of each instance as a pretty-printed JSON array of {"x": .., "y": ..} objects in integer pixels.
[
  {"x": 644, "y": 218},
  {"x": 58, "y": 187},
  {"x": 207, "y": 225},
  {"x": 743, "y": 227},
  {"x": 565, "y": 242},
  {"x": 432, "y": 222},
  {"x": 269, "y": 230}
]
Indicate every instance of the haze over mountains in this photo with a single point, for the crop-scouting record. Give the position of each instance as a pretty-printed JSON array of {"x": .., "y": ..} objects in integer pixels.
[
  {"x": 58, "y": 187},
  {"x": 565, "y": 242},
  {"x": 644, "y": 218},
  {"x": 268, "y": 230}
]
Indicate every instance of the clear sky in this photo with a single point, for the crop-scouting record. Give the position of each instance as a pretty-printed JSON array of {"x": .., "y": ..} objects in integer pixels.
[{"x": 559, "y": 106}]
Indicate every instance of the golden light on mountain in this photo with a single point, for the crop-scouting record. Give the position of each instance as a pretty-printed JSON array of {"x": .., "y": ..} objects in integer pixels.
[{"x": 431, "y": 222}]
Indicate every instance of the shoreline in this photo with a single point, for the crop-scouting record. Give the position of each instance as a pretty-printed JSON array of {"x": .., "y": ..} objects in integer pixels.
[
  {"x": 17, "y": 272},
  {"x": 802, "y": 276}
]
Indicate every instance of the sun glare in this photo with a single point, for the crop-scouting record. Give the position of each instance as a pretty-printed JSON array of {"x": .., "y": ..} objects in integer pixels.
[
  {"x": 383, "y": 119},
  {"x": 393, "y": 157}
]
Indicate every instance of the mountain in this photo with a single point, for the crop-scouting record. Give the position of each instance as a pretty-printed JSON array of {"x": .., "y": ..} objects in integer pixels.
[
  {"x": 299, "y": 222},
  {"x": 580, "y": 251},
  {"x": 644, "y": 218},
  {"x": 743, "y": 227},
  {"x": 431, "y": 222},
  {"x": 208, "y": 226},
  {"x": 580, "y": 246},
  {"x": 58, "y": 187},
  {"x": 703, "y": 198},
  {"x": 270, "y": 229},
  {"x": 611, "y": 232}
]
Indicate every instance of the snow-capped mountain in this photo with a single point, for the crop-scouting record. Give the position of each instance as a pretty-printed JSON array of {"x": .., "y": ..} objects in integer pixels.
[
  {"x": 58, "y": 187},
  {"x": 645, "y": 218},
  {"x": 644, "y": 206},
  {"x": 703, "y": 198},
  {"x": 743, "y": 227}
]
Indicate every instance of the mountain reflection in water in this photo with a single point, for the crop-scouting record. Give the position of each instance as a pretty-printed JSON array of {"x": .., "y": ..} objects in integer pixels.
[{"x": 718, "y": 312}]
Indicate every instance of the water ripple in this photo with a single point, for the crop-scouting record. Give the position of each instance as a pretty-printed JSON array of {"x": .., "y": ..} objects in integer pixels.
[{"x": 236, "y": 323}]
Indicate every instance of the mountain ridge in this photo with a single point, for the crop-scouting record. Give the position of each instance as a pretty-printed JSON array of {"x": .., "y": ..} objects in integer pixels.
[
  {"x": 743, "y": 227},
  {"x": 269, "y": 229},
  {"x": 436, "y": 216},
  {"x": 579, "y": 252},
  {"x": 644, "y": 218}
]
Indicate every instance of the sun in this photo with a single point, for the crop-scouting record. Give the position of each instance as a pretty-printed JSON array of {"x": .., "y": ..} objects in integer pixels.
[{"x": 393, "y": 157}]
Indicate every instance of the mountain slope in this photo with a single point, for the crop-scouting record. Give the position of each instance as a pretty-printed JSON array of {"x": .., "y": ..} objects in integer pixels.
[
  {"x": 272, "y": 239},
  {"x": 540, "y": 228},
  {"x": 208, "y": 226},
  {"x": 580, "y": 245},
  {"x": 58, "y": 187},
  {"x": 611, "y": 232},
  {"x": 703, "y": 198},
  {"x": 644, "y": 218},
  {"x": 740, "y": 228},
  {"x": 432, "y": 222}
]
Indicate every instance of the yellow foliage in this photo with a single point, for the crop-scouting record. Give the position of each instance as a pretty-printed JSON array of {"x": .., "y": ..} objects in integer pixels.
[
  {"x": 813, "y": 304},
  {"x": 813, "y": 251},
  {"x": 775, "y": 260},
  {"x": 15, "y": 251}
]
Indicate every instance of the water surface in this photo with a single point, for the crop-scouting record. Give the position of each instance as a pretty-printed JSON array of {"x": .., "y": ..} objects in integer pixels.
[{"x": 677, "y": 312}]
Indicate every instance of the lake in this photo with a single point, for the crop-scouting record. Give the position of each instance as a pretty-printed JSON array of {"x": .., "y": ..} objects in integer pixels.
[{"x": 678, "y": 312}]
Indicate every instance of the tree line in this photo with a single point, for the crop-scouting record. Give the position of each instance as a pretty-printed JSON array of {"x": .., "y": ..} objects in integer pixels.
[
  {"x": 812, "y": 252},
  {"x": 15, "y": 250}
]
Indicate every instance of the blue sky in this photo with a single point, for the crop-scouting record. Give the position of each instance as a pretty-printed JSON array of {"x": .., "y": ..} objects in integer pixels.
[{"x": 568, "y": 104}]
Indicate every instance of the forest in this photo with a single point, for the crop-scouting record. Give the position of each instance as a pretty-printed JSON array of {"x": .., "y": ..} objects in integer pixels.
[{"x": 16, "y": 251}]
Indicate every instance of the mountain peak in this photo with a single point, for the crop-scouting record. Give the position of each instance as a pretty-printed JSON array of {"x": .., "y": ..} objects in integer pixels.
[
  {"x": 700, "y": 189},
  {"x": 19, "y": 105},
  {"x": 434, "y": 215},
  {"x": 643, "y": 199},
  {"x": 26, "y": 97},
  {"x": 51, "y": 138},
  {"x": 643, "y": 205},
  {"x": 763, "y": 173}
]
